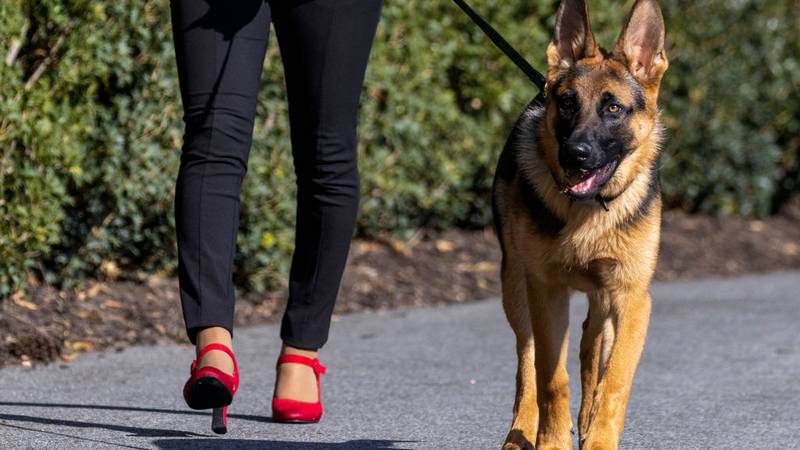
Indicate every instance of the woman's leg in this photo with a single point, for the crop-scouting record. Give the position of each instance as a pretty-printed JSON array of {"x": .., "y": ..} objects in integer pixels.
[
  {"x": 220, "y": 52},
  {"x": 325, "y": 46}
]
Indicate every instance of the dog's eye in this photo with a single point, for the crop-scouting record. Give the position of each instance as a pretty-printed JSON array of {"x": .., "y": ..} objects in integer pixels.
[
  {"x": 566, "y": 103},
  {"x": 614, "y": 108}
]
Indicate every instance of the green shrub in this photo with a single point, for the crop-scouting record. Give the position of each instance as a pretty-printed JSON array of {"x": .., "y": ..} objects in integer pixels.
[
  {"x": 732, "y": 97},
  {"x": 90, "y": 126}
]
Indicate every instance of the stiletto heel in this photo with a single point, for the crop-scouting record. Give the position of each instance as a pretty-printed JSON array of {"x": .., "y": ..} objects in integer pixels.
[
  {"x": 211, "y": 388},
  {"x": 293, "y": 411},
  {"x": 219, "y": 420}
]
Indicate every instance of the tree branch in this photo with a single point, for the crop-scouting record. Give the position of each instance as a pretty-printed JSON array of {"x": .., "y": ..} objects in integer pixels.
[
  {"x": 48, "y": 60},
  {"x": 16, "y": 45}
]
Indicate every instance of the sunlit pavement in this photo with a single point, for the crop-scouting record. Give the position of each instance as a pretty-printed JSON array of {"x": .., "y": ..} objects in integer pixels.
[{"x": 721, "y": 370}]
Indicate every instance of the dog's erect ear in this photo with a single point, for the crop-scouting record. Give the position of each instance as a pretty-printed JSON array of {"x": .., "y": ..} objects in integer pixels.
[
  {"x": 641, "y": 44},
  {"x": 573, "y": 38}
]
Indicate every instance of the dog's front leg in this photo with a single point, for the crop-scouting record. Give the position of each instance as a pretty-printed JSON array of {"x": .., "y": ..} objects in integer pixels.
[
  {"x": 522, "y": 435},
  {"x": 628, "y": 317},
  {"x": 526, "y": 412},
  {"x": 549, "y": 308},
  {"x": 591, "y": 356}
]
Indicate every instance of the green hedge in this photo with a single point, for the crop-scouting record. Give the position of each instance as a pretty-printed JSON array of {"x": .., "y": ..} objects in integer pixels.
[{"x": 90, "y": 126}]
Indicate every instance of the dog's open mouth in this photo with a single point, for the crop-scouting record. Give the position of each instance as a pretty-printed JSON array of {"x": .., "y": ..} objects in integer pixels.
[{"x": 591, "y": 181}]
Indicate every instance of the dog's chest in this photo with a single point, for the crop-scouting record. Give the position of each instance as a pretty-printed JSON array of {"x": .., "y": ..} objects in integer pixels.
[
  {"x": 585, "y": 259},
  {"x": 590, "y": 276}
]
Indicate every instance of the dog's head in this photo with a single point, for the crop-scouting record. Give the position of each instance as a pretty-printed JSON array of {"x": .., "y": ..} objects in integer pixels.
[{"x": 601, "y": 124}]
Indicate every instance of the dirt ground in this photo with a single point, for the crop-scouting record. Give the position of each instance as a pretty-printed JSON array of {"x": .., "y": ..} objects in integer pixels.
[{"x": 432, "y": 268}]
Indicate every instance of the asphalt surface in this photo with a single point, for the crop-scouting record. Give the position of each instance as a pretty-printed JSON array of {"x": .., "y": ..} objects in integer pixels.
[{"x": 721, "y": 370}]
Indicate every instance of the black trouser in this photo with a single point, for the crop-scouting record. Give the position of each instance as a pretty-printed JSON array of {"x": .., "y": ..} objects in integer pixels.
[{"x": 220, "y": 47}]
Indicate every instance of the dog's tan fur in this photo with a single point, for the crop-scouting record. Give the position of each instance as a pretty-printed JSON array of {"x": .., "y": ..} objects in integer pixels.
[{"x": 611, "y": 255}]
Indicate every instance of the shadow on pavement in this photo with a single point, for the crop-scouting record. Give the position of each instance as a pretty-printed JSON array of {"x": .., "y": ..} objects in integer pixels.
[
  {"x": 252, "y": 444},
  {"x": 135, "y": 409},
  {"x": 197, "y": 441},
  {"x": 134, "y": 431}
]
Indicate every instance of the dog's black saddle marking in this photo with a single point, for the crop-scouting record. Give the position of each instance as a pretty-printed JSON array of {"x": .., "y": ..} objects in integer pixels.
[
  {"x": 653, "y": 192},
  {"x": 524, "y": 137},
  {"x": 544, "y": 219}
]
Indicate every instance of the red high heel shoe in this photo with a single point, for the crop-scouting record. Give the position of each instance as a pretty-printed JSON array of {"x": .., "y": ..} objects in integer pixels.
[
  {"x": 209, "y": 387},
  {"x": 293, "y": 411}
]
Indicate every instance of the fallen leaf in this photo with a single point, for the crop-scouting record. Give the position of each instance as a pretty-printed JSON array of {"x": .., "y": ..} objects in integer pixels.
[
  {"x": 82, "y": 346},
  {"x": 113, "y": 304},
  {"x": 70, "y": 356},
  {"x": 483, "y": 266},
  {"x": 153, "y": 280},
  {"x": 444, "y": 246},
  {"x": 25, "y": 304},
  {"x": 94, "y": 290},
  {"x": 110, "y": 269},
  {"x": 367, "y": 247},
  {"x": 400, "y": 247}
]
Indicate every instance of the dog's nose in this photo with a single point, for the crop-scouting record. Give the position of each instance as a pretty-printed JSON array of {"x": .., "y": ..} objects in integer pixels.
[{"x": 581, "y": 151}]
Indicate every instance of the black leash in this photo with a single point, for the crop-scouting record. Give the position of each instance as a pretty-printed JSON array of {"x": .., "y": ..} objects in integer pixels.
[{"x": 534, "y": 75}]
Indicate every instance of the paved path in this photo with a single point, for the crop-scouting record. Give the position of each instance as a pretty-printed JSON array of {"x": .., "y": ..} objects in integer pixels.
[{"x": 721, "y": 370}]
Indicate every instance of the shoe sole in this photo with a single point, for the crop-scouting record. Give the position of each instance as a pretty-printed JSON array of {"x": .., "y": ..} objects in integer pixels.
[
  {"x": 293, "y": 421},
  {"x": 207, "y": 393}
]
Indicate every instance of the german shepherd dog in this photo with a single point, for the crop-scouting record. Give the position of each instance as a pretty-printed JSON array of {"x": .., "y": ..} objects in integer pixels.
[{"x": 577, "y": 206}]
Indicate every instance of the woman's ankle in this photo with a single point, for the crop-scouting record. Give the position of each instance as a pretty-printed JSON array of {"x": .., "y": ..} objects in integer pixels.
[
  {"x": 212, "y": 335},
  {"x": 215, "y": 358},
  {"x": 289, "y": 350},
  {"x": 296, "y": 381}
]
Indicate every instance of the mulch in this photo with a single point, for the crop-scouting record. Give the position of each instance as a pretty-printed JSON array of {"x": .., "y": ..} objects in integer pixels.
[{"x": 43, "y": 324}]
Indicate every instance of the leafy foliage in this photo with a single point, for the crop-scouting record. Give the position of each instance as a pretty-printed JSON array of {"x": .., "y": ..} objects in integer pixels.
[
  {"x": 90, "y": 126},
  {"x": 732, "y": 97}
]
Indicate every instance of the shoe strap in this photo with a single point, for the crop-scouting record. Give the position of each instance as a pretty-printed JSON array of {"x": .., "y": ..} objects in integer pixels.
[
  {"x": 220, "y": 347},
  {"x": 314, "y": 363}
]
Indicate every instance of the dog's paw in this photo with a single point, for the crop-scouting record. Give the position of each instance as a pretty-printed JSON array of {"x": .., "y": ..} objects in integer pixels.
[
  {"x": 516, "y": 446},
  {"x": 516, "y": 440},
  {"x": 597, "y": 444}
]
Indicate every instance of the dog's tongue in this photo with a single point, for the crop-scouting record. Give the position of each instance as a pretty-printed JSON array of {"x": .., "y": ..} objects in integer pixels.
[{"x": 587, "y": 184}]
